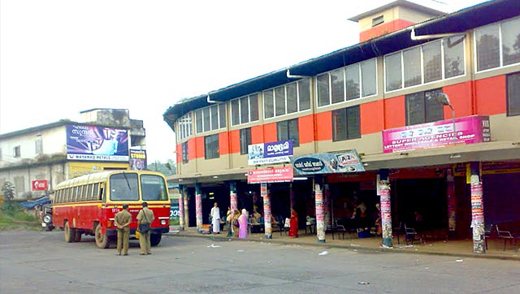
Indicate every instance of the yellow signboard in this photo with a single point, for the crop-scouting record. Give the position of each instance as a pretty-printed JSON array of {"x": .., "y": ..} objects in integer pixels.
[{"x": 77, "y": 169}]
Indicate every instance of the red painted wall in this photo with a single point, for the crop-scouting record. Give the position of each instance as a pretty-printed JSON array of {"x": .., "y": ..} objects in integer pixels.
[
  {"x": 199, "y": 147},
  {"x": 372, "y": 117},
  {"x": 223, "y": 143},
  {"x": 383, "y": 29},
  {"x": 305, "y": 125},
  {"x": 491, "y": 95},
  {"x": 323, "y": 126},
  {"x": 460, "y": 98},
  {"x": 257, "y": 135},
  {"x": 270, "y": 134},
  {"x": 395, "y": 115}
]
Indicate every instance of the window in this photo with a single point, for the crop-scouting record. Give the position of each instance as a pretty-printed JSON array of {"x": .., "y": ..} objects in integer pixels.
[
  {"x": 513, "y": 94},
  {"x": 97, "y": 194},
  {"x": 488, "y": 40},
  {"x": 210, "y": 118},
  {"x": 406, "y": 69},
  {"x": 184, "y": 127},
  {"x": 378, "y": 20},
  {"x": 38, "y": 147},
  {"x": 288, "y": 130},
  {"x": 287, "y": 99},
  {"x": 244, "y": 109},
  {"x": 211, "y": 147},
  {"x": 123, "y": 187},
  {"x": 346, "y": 124},
  {"x": 153, "y": 188},
  {"x": 347, "y": 83},
  {"x": 185, "y": 158},
  {"x": 17, "y": 152},
  {"x": 423, "y": 107},
  {"x": 245, "y": 140},
  {"x": 89, "y": 192}
]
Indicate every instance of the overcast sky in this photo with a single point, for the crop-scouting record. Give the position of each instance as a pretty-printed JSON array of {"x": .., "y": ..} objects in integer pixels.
[{"x": 58, "y": 58}]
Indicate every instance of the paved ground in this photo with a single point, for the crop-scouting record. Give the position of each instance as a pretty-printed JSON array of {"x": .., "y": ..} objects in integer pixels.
[{"x": 41, "y": 262}]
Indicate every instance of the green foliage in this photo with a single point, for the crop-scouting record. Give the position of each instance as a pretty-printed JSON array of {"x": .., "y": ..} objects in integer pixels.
[
  {"x": 8, "y": 190},
  {"x": 168, "y": 168},
  {"x": 13, "y": 217}
]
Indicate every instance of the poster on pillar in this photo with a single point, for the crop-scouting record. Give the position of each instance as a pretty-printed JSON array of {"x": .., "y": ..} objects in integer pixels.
[{"x": 328, "y": 163}]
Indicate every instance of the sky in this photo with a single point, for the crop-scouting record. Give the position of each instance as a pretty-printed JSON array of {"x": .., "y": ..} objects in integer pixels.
[{"x": 60, "y": 57}]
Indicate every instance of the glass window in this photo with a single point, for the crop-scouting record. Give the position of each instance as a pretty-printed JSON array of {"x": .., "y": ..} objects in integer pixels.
[
  {"x": 304, "y": 94},
  {"x": 214, "y": 117},
  {"x": 89, "y": 192},
  {"x": 353, "y": 123},
  {"x": 222, "y": 114},
  {"x": 288, "y": 130},
  {"x": 235, "y": 112},
  {"x": 292, "y": 98},
  {"x": 198, "y": 117},
  {"x": 423, "y": 107},
  {"x": 352, "y": 81},
  {"x": 153, "y": 188},
  {"x": 412, "y": 67},
  {"x": 123, "y": 187},
  {"x": 206, "y": 121},
  {"x": 97, "y": 195},
  {"x": 488, "y": 49},
  {"x": 279, "y": 94},
  {"x": 245, "y": 140},
  {"x": 337, "y": 85},
  {"x": 393, "y": 72},
  {"x": 346, "y": 124},
  {"x": 513, "y": 94},
  {"x": 432, "y": 62},
  {"x": 323, "y": 89},
  {"x": 244, "y": 110},
  {"x": 511, "y": 41},
  {"x": 253, "y": 107},
  {"x": 268, "y": 104},
  {"x": 368, "y": 77},
  {"x": 453, "y": 56},
  {"x": 434, "y": 109},
  {"x": 185, "y": 158},
  {"x": 211, "y": 147}
]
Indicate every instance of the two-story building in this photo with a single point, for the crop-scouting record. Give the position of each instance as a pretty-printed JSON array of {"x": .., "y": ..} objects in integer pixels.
[
  {"x": 38, "y": 158},
  {"x": 428, "y": 103}
]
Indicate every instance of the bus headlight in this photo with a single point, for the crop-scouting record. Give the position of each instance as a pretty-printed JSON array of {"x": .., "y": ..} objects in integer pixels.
[{"x": 163, "y": 222}]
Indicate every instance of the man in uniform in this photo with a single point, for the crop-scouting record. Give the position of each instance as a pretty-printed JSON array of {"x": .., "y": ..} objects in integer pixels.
[
  {"x": 122, "y": 221},
  {"x": 145, "y": 216}
]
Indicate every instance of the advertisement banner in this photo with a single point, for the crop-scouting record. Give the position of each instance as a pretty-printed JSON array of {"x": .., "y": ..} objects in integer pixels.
[
  {"x": 328, "y": 163},
  {"x": 39, "y": 185},
  {"x": 469, "y": 130},
  {"x": 269, "y": 153},
  {"x": 96, "y": 143},
  {"x": 137, "y": 159},
  {"x": 270, "y": 175}
]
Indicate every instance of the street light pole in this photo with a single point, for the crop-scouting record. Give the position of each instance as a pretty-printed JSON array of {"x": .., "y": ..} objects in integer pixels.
[{"x": 445, "y": 100}]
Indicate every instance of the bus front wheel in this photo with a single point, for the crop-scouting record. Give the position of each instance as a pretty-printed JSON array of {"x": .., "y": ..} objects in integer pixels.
[
  {"x": 69, "y": 232},
  {"x": 155, "y": 239},
  {"x": 101, "y": 239}
]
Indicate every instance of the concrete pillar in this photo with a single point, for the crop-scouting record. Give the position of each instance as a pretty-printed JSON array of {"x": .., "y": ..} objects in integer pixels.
[
  {"x": 264, "y": 193},
  {"x": 320, "y": 215},
  {"x": 198, "y": 206},
  {"x": 386, "y": 208},
  {"x": 232, "y": 204},
  {"x": 186, "y": 209},
  {"x": 181, "y": 208},
  {"x": 477, "y": 209},
  {"x": 452, "y": 201}
]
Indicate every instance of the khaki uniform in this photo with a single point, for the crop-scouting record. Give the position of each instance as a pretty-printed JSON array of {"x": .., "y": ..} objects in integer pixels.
[
  {"x": 123, "y": 234},
  {"x": 145, "y": 216}
]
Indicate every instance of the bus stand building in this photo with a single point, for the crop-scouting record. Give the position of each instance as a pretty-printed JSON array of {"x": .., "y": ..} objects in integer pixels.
[
  {"x": 418, "y": 124},
  {"x": 36, "y": 159}
]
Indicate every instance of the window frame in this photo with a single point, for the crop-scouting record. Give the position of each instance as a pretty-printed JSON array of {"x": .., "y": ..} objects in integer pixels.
[
  {"x": 298, "y": 85},
  {"x": 250, "y": 110},
  {"x": 424, "y": 110},
  {"x": 200, "y": 121},
  {"x": 286, "y": 125},
  {"x": 214, "y": 153},
  {"x": 347, "y": 135},
  {"x": 508, "y": 100},
  {"x": 245, "y": 140},
  {"x": 185, "y": 152}
]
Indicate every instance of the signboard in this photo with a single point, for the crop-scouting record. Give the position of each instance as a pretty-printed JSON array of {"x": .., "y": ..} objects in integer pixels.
[
  {"x": 328, "y": 163},
  {"x": 174, "y": 212},
  {"x": 471, "y": 129},
  {"x": 96, "y": 143},
  {"x": 269, "y": 153},
  {"x": 39, "y": 185},
  {"x": 137, "y": 159},
  {"x": 270, "y": 175}
]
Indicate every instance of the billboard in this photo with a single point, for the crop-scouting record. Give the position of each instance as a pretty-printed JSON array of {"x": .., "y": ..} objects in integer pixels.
[
  {"x": 269, "y": 153},
  {"x": 137, "y": 159},
  {"x": 270, "y": 175},
  {"x": 469, "y": 130},
  {"x": 96, "y": 143},
  {"x": 328, "y": 163}
]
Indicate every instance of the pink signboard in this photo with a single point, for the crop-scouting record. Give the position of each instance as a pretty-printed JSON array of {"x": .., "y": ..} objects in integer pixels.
[
  {"x": 270, "y": 175},
  {"x": 469, "y": 130}
]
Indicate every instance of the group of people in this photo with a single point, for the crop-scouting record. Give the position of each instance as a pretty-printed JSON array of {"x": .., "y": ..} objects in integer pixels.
[{"x": 122, "y": 221}]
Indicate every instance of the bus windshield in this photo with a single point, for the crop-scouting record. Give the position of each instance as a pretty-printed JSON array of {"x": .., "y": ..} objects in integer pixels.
[
  {"x": 153, "y": 188},
  {"x": 123, "y": 187}
]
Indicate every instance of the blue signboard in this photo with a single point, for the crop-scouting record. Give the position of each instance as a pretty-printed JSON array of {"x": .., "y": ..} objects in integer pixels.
[
  {"x": 96, "y": 143},
  {"x": 269, "y": 153},
  {"x": 328, "y": 163}
]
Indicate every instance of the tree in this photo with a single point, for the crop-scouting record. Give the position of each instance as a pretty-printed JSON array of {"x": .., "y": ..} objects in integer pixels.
[{"x": 8, "y": 190}]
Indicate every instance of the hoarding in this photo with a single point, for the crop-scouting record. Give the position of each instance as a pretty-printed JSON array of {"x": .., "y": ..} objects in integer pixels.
[
  {"x": 96, "y": 143},
  {"x": 328, "y": 163},
  {"x": 39, "y": 185},
  {"x": 137, "y": 159},
  {"x": 270, "y": 175},
  {"x": 469, "y": 130},
  {"x": 269, "y": 153}
]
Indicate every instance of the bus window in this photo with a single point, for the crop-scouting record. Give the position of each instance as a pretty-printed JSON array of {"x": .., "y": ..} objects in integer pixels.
[
  {"x": 95, "y": 193},
  {"x": 153, "y": 188},
  {"x": 102, "y": 192},
  {"x": 89, "y": 192},
  {"x": 123, "y": 187}
]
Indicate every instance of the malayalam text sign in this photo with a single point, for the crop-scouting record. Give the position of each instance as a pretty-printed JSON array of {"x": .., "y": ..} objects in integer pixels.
[
  {"x": 270, "y": 175},
  {"x": 269, "y": 153},
  {"x": 328, "y": 163},
  {"x": 96, "y": 143}
]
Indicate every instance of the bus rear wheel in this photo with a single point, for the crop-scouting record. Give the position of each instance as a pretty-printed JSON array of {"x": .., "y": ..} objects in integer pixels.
[
  {"x": 155, "y": 239},
  {"x": 101, "y": 239},
  {"x": 69, "y": 233}
]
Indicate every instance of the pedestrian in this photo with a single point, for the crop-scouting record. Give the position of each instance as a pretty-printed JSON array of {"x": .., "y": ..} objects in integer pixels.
[
  {"x": 122, "y": 221},
  {"x": 243, "y": 225},
  {"x": 144, "y": 217},
  {"x": 215, "y": 218}
]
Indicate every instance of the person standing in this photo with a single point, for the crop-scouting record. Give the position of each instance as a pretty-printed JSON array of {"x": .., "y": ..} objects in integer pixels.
[
  {"x": 215, "y": 218},
  {"x": 293, "y": 227},
  {"x": 145, "y": 216},
  {"x": 122, "y": 221},
  {"x": 243, "y": 225}
]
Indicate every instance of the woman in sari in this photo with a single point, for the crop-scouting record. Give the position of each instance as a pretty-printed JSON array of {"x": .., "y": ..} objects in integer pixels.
[
  {"x": 235, "y": 216},
  {"x": 243, "y": 223},
  {"x": 293, "y": 229}
]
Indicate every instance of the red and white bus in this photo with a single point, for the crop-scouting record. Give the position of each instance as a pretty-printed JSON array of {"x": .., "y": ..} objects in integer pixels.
[{"x": 88, "y": 204}]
